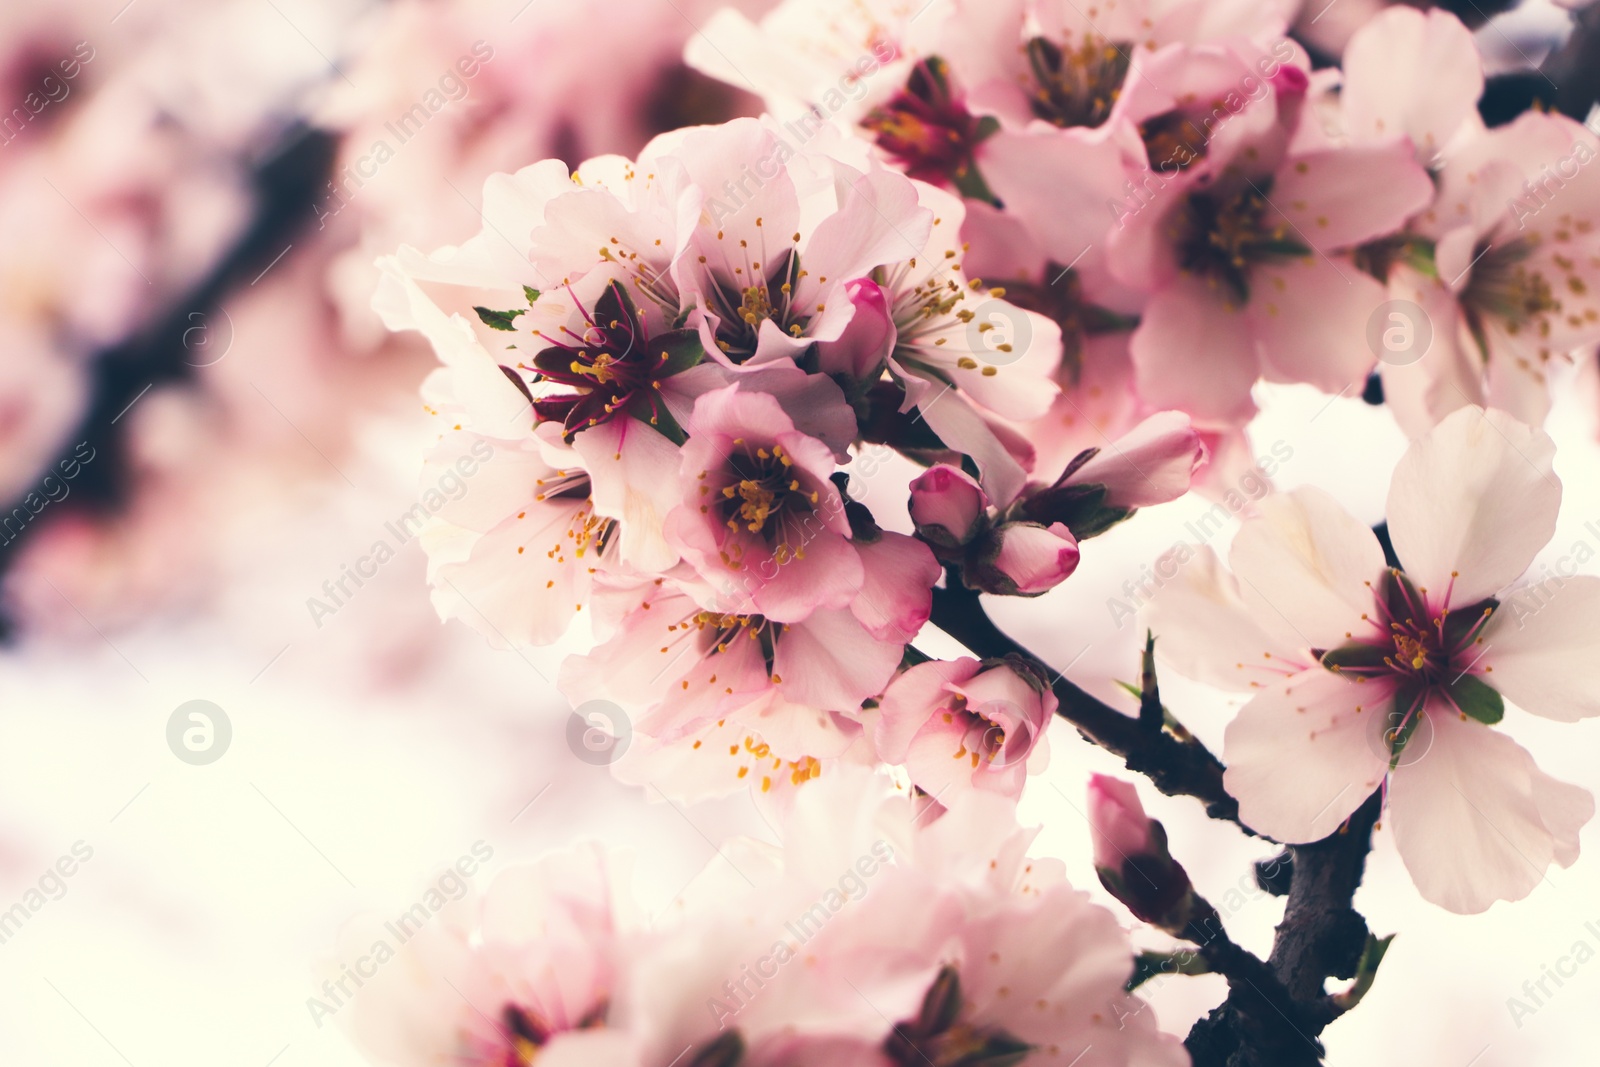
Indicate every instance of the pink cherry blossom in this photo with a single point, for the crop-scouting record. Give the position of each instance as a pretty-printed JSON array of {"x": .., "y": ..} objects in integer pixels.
[
  {"x": 1121, "y": 828},
  {"x": 1362, "y": 675},
  {"x": 1245, "y": 248},
  {"x": 961, "y": 724},
  {"x": 947, "y": 504},
  {"x": 1033, "y": 559},
  {"x": 758, "y": 516}
]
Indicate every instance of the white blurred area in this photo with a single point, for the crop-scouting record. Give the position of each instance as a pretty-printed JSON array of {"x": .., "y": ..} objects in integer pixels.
[{"x": 372, "y": 748}]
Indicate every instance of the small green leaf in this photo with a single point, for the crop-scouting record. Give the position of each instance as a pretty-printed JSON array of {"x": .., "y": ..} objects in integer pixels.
[
  {"x": 531, "y": 293},
  {"x": 1478, "y": 699},
  {"x": 499, "y": 320},
  {"x": 1355, "y": 656},
  {"x": 1366, "y": 972}
]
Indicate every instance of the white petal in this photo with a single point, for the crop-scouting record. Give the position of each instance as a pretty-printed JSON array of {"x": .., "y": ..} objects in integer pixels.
[
  {"x": 1476, "y": 821},
  {"x": 1301, "y": 757},
  {"x": 1207, "y": 632},
  {"x": 1476, "y": 496},
  {"x": 1305, "y": 560},
  {"x": 1539, "y": 649}
]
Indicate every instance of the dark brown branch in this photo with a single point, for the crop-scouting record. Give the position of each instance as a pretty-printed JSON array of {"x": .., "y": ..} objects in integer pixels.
[
  {"x": 1178, "y": 768},
  {"x": 1321, "y": 937}
]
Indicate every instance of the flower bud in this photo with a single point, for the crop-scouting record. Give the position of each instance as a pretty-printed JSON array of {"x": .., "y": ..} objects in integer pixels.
[
  {"x": 1130, "y": 856},
  {"x": 947, "y": 505},
  {"x": 859, "y": 353},
  {"x": 1032, "y": 558},
  {"x": 1150, "y": 464}
]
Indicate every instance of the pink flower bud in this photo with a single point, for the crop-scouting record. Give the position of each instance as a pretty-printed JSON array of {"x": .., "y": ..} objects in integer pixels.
[
  {"x": 1121, "y": 828},
  {"x": 1130, "y": 856},
  {"x": 946, "y": 504},
  {"x": 868, "y": 338},
  {"x": 1036, "y": 558},
  {"x": 1150, "y": 464}
]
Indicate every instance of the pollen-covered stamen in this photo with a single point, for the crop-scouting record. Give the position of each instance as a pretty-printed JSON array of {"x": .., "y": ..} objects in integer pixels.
[
  {"x": 614, "y": 365},
  {"x": 712, "y": 634},
  {"x": 764, "y": 493},
  {"x": 930, "y": 133},
  {"x": 1173, "y": 141},
  {"x": 1220, "y": 237},
  {"x": 1076, "y": 85},
  {"x": 1505, "y": 287},
  {"x": 982, "y": 738},
  {"x": 1425, "y": 651},
  {"x": 753, "y": 296}
]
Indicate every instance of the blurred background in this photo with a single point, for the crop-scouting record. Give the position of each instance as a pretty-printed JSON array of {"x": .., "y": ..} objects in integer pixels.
[{"x": 202, "y": 423}]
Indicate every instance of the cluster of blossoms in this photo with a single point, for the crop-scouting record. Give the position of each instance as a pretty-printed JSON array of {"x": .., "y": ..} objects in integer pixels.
[
  {"x": 1044, "y": 256},
  {"x": 875, "y": 936},
  {"x": 671, "y": 388}
]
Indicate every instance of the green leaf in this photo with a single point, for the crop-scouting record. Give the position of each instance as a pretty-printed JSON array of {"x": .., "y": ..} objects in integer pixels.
[
  {"x": 1356, "y": 656},
  {"x": 1366, "y": 972},
  {"x": 499, "y": 320},
  {"x": 1478, "y": 699},
  {"x": 1146, "y": 965},
  {"x": 531, "y": 293}
]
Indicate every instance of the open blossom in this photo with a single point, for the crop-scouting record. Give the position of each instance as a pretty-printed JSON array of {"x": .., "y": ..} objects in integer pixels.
[
  {"x": 1246, "y": 252},
  {"x": 961, "y": 724},
  {"x": 881, "y": 931},
  {"x": 526, "y": 970},
  {"x": 727, "y": 700},
  {"x": 1499, "y": 274},
  {"x": 758, "y": 504},
  {"x": 1362, "y": 674}
]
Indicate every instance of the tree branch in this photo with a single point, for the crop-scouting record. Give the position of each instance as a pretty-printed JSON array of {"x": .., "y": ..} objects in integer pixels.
[
  {"x": 1178, "y": 768},
  {"x": 1321, "y": 937}
]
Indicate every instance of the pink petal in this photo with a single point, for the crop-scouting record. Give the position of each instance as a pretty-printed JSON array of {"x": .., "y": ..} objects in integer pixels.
[
  {"x": 1307, "y": 561},
  {"x": 1476, "y": 821},
  {"x": 1342, "y": 197},
  {"x": 1538, "y": 649},
  {"x": 1300, "y": 756},
  {"x": 1192, "y": 353},
  {"x": 1475, "y": 498},
  {"x": 1310, "y": 318}
]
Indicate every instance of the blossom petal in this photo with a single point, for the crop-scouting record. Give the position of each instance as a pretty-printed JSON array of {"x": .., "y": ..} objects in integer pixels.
[
  {"x": 1304, "y": 559},
  {"x": 1310, "y": 319},
  {"x": 1192, "y": 353},
  {"x": 1476, "y": 821},
  {"x": 1303, "y": 754},
  {"x": 1341, "y": 197},
  {"x": 1207, "y": 631},
  {"x": 1476, "y": 496},
  {"x": 1539, "y": 649},
  {"x": 1413, "y": 73}
]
